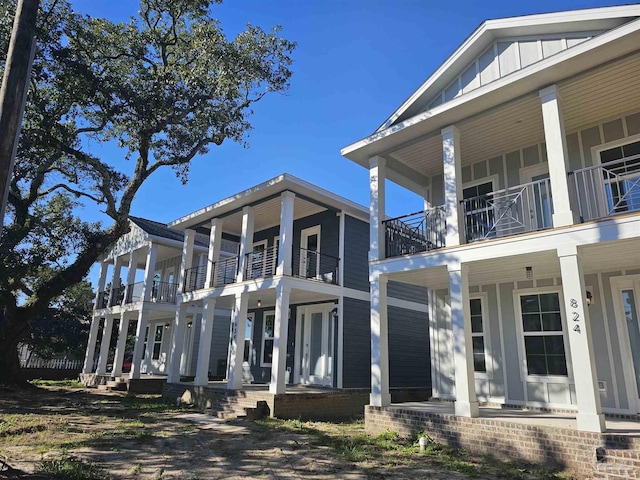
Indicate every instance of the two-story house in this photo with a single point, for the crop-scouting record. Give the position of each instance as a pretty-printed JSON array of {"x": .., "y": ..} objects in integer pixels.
[
  {"x": 298, "y": 290},
  {"x": 132, "y": 325},
  {"x": 524, "y": 147}
]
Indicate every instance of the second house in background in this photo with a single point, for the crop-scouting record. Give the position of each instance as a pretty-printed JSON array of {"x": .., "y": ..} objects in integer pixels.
[{"x": 298, "y": 291}]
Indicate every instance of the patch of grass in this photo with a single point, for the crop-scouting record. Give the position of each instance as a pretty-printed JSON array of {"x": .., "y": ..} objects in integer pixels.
[
  {"x": 71, "y": 468},
  {"x": 148, "y": 403},
  {"x": 63, "y": 384},
  {"x": 18, "y": 425}
]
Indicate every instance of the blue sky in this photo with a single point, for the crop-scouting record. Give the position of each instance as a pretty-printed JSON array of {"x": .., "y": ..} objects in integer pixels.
[{"x": 356, "y": 62}]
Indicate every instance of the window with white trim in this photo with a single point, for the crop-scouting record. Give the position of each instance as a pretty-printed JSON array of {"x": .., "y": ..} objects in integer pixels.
[
  {"x": 268, "y": 322},
  {"x": 543, "y": 334},
  {"x": 477, "y": 335},
  {"x": 157, "y": 342}
]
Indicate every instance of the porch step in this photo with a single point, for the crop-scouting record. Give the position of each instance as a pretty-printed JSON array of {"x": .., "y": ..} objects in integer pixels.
[
  {"x": 618, "y": 464},
  {"x": 234, "y": 408},
  {"x": 118, "y": 385}
]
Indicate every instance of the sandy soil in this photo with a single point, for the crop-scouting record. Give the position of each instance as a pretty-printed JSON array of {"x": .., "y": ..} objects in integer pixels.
[{"x": 141, "y": 438}]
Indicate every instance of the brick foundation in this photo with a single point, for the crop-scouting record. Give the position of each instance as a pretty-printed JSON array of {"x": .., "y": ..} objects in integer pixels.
[
  {"x": 332, "y": 405},
  {"x": 566, "y": 448}
]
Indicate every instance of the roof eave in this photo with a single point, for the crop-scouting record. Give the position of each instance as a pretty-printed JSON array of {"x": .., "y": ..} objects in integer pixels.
[{"x": 606, "y": 47}]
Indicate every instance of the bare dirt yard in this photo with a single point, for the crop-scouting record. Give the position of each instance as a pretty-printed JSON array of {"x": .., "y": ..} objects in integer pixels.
[{"x": 72, "y": 433}]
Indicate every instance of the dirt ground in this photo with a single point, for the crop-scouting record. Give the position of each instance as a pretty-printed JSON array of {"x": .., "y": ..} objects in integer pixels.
[{"x": 142, "y": 438}]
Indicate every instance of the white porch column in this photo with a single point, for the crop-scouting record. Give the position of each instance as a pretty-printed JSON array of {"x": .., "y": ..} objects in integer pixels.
[
  {"x": 466, "y": 404},
  {"x": 280, "y": 334},
  {"x": 177, "y": 344},
  {"x": 187, "y": 258},
  {"x": 239, "y": 325},
  {"x": 246, "y": 241},
  {"x": 102, "y": 280},
  {"x": 380, "y": 396},
  {"x": 131, "y": 274},
  {"x": 452, "y": 165},
  {"x": 91, "y": 344},
  {"x": 204, "y": 348},
  {"x": 590, "y": 417},
  {"x": 118, "y": 358},
  {"x": 115, "y": 280},
  {"x": 141, "y": 329},
  {"x": 377, "y": 208},
  {"x": 104, "y": 345},
  {"x": 149, "y": 272},
  {"x": 556, "y": 141},
  {"x": 213, "y": 255},
  {"x": 285, "y": 250}
]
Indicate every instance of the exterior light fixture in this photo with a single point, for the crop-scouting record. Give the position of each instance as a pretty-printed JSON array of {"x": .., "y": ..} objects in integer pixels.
[
  {"x": 259, "y": 303},
  {"x": 529, "y": 272},
  {"x": 166, "y": 326},
  {"x": 590, "y": 300},
  {"x": 190, "y": 324}
]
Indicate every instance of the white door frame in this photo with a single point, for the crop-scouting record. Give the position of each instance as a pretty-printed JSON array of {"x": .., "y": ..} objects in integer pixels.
[
  {"x": 627, "y": 282},
  {"x": 303, "y": 342},
  {"x": 526, "y": 176},
  {"x": 304, "y": 245}
]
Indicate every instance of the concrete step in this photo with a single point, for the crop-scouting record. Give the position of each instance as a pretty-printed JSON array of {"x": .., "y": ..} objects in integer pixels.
[{"x": 232, "y": 408}]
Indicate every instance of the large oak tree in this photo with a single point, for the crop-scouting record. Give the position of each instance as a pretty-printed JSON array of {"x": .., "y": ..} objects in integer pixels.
[{"x": 165, "y": 87}]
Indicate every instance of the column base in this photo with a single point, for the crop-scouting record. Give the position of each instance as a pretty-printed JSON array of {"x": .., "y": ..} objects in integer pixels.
[
  {"x": 277, "y": 389},
  {"x": 591, "y": 422},
  {"x": 562, "y": 219},
  {"x": 201, "y": 382},
  {"x": 380, "y": 399},
  {"x": 234, "y": 386},
  {"x": 466, "y": 409}
]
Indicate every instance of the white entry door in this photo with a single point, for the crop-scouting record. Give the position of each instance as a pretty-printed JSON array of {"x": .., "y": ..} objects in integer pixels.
[
  {"x": 317, "y": 338},
  {"x": 538, "y": 201},
  {"x": 626, "y": 291}
]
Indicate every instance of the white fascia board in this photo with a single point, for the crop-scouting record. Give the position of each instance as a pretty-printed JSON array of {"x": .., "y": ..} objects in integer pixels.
[
  {"x": 608, "y": 46},
  {"x": 266, "y": 189},
  {"x": 577, "y": 235},
  {"x": 167, "y": 242},
  {"x": 557, "y": 22}
]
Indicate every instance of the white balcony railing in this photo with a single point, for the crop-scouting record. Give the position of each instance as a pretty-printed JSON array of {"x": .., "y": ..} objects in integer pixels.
[
  {"x": 521, "y": 209},
  {"x": 608, "y": 189}
]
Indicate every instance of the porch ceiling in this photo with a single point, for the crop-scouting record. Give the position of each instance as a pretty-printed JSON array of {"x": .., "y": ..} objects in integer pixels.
[
  {"x": 611, "y": 256},
  {"x": 605, "y": 92},
  {"x": 267, "y": 214}
]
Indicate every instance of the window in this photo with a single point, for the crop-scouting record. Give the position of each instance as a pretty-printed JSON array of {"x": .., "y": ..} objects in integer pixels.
[
  {"x": 267, "y": 338},
  {"x": 477, "y": 335},
  {"x": 543, "y": 337},
  {"x": 621, "y": 176},
  {"x": 157, "y": 342},
  {"x": 478, "y": 211},
  {"x": 144, "y": 345}
]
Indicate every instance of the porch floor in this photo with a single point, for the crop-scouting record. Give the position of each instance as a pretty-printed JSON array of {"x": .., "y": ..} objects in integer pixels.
[{"x": 615, "y": 425}]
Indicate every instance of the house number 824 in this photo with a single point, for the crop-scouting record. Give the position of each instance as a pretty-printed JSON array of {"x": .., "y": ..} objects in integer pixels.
[{"x": 576, "y": 316}]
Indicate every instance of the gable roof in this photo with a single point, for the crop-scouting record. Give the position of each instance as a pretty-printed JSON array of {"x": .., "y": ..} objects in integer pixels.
[
  {"x": 161, "y": 230},
  {"x": 589, "y": 22}
]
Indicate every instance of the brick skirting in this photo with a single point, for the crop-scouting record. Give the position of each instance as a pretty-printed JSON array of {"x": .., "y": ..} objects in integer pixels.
[
  {"x": 331, "y": 405},
  {"x": 567, "y": 448}
]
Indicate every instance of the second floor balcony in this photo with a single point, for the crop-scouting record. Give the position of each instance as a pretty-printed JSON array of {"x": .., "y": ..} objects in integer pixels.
[
  {"x": 262, "y": 263},
  {"x": 161, "y": 292}
]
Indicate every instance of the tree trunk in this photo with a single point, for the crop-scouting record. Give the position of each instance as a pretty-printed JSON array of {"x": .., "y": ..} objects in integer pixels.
[
  {"x": 14, "y": 91},
  {"x": 13, "y": 330}
]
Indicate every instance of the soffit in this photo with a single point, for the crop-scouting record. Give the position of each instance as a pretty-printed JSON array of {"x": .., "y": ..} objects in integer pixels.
[{"x": 267, "y": 214}]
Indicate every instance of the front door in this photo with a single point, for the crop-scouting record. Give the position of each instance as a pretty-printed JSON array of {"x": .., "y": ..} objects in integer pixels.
[
  {"x": 538, "y": 201},
  {"x": 317, "y": 336},
  {"x": 627, "y": 297},
  {"x": 310, "y": 252}
]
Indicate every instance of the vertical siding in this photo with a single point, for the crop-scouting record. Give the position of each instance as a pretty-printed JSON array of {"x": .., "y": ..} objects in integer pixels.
[
  {"x": 615, "y": 338},
  {"x": 219, "y": 344},
  {"x": 496, "y": 363},
  {"x": 442, "y": 357},
  {"x": 514, "y": 380},
  {"x": 356, "y": 253},
  {"x": 409, "y": 355},
  {"x": 357, "y": 344}
]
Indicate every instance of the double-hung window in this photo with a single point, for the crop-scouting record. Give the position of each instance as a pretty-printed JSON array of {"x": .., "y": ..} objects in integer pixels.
[{"x": 543, "y": 335}]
